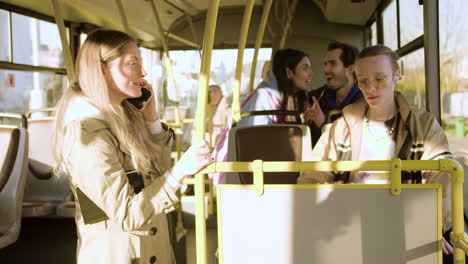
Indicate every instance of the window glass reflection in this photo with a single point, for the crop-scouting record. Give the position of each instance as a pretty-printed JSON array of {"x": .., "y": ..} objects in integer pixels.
[
  {"x": 21, "y": 91},
  {"x": 4, "y": 36},
  {"x": 413, "y": 82},
  {"x": 36, "y": 42},
  {"x": 411, "y": 21},
  {"x": 453, "y": 55},
  {"x": 390, "y": 26},
  {"x": 374, "y": 33}
]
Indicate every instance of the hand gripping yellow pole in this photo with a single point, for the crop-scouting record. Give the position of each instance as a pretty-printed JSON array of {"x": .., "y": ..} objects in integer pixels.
[
  {"x": 200, "y": 224},
  {"x": 258, "y": 42}
]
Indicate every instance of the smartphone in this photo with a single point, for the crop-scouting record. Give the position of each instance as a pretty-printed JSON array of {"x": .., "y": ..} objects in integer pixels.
[{"x": 141, "y": 101}]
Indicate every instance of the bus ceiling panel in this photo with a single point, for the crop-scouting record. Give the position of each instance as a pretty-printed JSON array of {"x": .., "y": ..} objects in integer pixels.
[
  {"x": 227, "y": 28},
  {"x": 355, "y": 12},
  {"x": 203, "y": 4},
  {"x": 105, "y": 13}
]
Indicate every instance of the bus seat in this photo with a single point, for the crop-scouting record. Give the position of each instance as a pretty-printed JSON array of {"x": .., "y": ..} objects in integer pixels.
[
  {"x": 13, "y": 162},
  {"x": 44, "y": 190},
  {"x": 279, "y": 142}
]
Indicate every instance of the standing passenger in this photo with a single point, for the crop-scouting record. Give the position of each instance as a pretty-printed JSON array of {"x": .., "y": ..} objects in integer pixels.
[
  {"x": 382, "y": 126},
  {"x": 117, "y": 156},
  {"x": 339, "y": 91}
]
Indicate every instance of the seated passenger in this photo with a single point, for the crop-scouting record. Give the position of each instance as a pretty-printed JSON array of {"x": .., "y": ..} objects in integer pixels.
[
  {"x": 284, "y": 88},
  {"x": 117, "y": 156},
  {"x": 221, "y": 113},
  {"x": 341, "y": 89},
  {"x": 382, "y": 126}
]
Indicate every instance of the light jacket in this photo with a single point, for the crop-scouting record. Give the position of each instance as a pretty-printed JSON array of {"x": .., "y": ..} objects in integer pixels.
[
  {"x": 265, "y": 97},
  {"x": 116, "y": 222},
  {"x": 419, "y": 137}
]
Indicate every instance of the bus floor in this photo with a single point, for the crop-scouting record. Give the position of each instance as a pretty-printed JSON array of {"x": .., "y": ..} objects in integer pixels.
[
  {"x": 53, "y": 241},
  {"x": 43, "y": 240}
]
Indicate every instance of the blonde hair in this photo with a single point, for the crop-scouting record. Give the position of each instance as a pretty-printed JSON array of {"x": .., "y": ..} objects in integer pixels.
[{"x": 126, "y": 123}]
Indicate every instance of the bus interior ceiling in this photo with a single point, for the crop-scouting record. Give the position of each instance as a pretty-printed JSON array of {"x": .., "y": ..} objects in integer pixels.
[{"x": 315, "y": 23}]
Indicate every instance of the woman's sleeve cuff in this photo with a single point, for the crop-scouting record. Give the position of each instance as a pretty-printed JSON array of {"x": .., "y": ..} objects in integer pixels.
[{"x": 155, "y": 127}]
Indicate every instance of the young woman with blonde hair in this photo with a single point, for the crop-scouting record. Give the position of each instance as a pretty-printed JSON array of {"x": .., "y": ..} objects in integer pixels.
[
  {"x": 382, "y": 126},
  {"x": 117, "y": 156}
]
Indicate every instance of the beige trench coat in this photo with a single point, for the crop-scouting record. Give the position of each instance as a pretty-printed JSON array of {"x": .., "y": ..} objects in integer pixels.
[{"x": 115, "y": 225}]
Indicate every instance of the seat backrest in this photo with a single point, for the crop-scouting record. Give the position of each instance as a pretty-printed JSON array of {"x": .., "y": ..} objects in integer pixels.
[
  {"x": 11, "y": 195},
  {"x": 42, "y": 184},
  {"x": 40, "y": 135},
  {"x": 285, "y": 142},
  {"x": 9, "y": 140}
]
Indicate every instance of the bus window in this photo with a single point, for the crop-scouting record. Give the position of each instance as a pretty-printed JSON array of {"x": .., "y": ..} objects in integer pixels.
[
  {"x": 25, "y": 90},
  {"x": 411, "y": 21},
  {"x": 4, "y": 36},
  {"x": 83, "y": 37},
  {"x": 154, "y": 73},
  {"x": 374, "y": 33},
  {"x": 36, "y": 42},
  {"x": 186, "y": 66},
  {"x": 390, "y": 26},
  {"x": 413, "y": 83},
  {"x": 453, "y": 54}
]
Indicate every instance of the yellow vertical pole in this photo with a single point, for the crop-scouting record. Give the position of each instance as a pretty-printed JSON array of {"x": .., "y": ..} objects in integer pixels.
[
  {"x": 240, "y": 58},
  {"x": 258, "y": 41},
  {"x": 63, "y": 37},
  {"x": 200, "y": 224},
  {"x": 457, "y": 210},
  {"x": 168, "y": 63},
  {"x": 122, "y": 16},
  {"x": 288, "y": 24},
  {"x": 458, "y": 219}
]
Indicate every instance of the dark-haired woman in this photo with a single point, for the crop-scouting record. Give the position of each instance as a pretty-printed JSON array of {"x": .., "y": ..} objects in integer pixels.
[{"x": 284, "y": 88}]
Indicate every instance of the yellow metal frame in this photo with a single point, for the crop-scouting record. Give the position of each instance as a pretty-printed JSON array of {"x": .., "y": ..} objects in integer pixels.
[
  {"x": 258, "y": 41},
  {"x": 125, "y": 26},
  {"x": 63, "y": 38},
  {"x": 200, "y": 224},
  {"x": 438, "y": 187},
  {"x": 182, "y": 40},
  {"x": 240, "y": 57},
  {"x": 452, "y": 167},
  {"x": 288, "y": 24}
]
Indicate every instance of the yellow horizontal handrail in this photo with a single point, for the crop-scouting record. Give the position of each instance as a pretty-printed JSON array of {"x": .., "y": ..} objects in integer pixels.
[
  {"x": 40, "y": 110},
  {"x": 455, "y": 170},
  {"x": 184, "y": 121},
  {"x": 289, "y": 166}
]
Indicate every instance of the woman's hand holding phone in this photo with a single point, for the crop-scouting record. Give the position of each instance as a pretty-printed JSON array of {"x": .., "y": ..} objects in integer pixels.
[{"x": 146, "y": 103}]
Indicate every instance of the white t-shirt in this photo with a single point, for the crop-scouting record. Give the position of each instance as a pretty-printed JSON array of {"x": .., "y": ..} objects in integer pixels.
[{"x": 377, "y": 144}]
